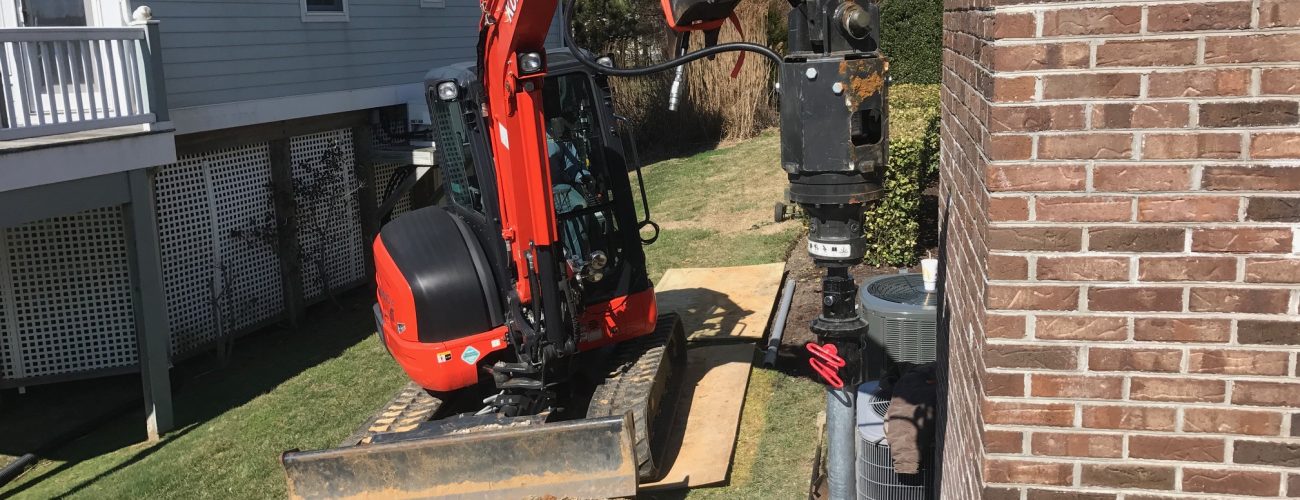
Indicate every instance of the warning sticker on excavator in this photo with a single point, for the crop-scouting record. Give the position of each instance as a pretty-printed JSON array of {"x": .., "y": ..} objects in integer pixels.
[
  {"x": 444, "y": 356},
  {"x": 470, "y": 355}
]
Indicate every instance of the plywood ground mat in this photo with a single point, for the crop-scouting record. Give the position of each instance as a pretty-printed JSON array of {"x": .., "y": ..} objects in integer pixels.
[
  {"x": 708, "y": 403},
  {"x": 721, "y": 302}
]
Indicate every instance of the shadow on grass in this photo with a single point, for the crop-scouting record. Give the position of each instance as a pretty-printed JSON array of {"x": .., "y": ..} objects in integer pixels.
[{"x": 202, "y": 389}]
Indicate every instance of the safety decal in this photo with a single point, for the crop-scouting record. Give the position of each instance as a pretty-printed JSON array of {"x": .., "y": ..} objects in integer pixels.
[
  {"x": 470, "y": 355},
  {"x": 444, "y": 356}
]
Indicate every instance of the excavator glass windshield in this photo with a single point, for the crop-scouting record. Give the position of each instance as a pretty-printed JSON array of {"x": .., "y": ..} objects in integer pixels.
[
  {"x": 455, "y": 157},
  {"x": 581, "y": 184}
]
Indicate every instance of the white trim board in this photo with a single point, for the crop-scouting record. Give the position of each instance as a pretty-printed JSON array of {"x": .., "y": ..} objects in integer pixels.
[{"x": 194, "y": 119}]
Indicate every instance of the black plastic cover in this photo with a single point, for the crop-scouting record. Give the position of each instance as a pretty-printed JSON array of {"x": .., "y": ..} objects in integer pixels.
[
  {"x": 688, "y": 12},
  {"x": 449, "y": 275}
]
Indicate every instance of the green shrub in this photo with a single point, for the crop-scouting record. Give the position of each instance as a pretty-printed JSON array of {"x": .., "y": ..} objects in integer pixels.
[
  {"x": 893, "y": 226},
  {"x": 911, "y": 33}
]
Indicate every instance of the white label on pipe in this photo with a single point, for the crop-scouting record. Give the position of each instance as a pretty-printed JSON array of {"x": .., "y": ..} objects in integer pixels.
[{"x": 828, "y": 250}]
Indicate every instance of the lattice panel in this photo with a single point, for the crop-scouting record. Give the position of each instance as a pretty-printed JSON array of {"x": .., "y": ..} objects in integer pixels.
[
  {"x": 188, "y": 260},
  {"x": 249, "y": 269},
  {"x": 384, "y": 175},
  {"x": 7, "y": 336},
  {"x": 329, "y": 228},
  {"x": 72, "y": 297}
]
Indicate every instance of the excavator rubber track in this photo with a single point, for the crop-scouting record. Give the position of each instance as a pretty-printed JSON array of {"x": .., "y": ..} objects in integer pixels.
[
  {"x": 401, "y": 453},
  {"x": 641, "y": 374}
]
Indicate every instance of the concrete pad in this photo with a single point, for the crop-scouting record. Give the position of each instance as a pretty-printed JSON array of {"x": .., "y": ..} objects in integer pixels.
[
  {"x": 708, "y": 403},
  {"x": 721, "y": 302}
]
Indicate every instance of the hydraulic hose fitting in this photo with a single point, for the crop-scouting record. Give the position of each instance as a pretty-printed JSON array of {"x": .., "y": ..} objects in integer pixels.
[{"x": 679, "y": 77}]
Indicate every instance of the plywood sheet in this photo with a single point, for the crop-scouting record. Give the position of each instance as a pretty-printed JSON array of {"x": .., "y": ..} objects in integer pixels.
[
  {"x": 703, "y": 435},
  {"x": 721, "y": 302}
]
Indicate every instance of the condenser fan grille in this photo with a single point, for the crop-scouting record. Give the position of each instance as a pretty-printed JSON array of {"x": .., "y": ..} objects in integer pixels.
[{"x": 902, "y": 289}]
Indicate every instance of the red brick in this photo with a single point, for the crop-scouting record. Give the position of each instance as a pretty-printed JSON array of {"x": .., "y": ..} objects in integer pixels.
[
  {"x": 997, "y": 441},
  {"x": 1035, "y": 118},
  {"x": 1176, "y": 448},
  {"x": 1268, "y": 332},
  {"x": 1188, "y": 209},
  {"x": 1126, "y": 239},
  {"x": 1181, "y": 330},
  {"x": 1036, "y": 494},
  {"x": 1124, "y": 475},
  {"x": 1097, "y": 328},
  {"x": 1103, "y": 359},
  {"x": 1275, "y": 146},
  {"x": 1136, "y": 418},
  {"x": 1031, "y": 357},
  {"x": 1085, "y": 147},
  {"x": 1141, "y": 115},
  {"x": 1045, "y": 178},
  {"x": 1022, "y": 25},
  {"x": 1265, "y": 394},
  {"x": 1238, "y": 362},
  {"x": 1135, "y": 299},
  {"x": 1199, "y": 83},
  {"x": 1242, "y": 240},
  {"x": 1058, "y": 239},
  {"x": 1221, "y": 421},
  {"x": 1023, "y": 472},
  {"x": 1272, "y": 113},
  {"x": 1141, "y": 178},
  {"x": 1266, "y": 270},
  {"x": 1278, "y": 14},
  {"x": 1273, "y": 209},
  {"x": 1191, "y": 146},
  {"x": 1146, "y": 53},
  {"x": 1238, "y": 300},
  {"x": 1090, "y": 85},
  {"x": 1252, "y": 48},
  {"x": 1281, "y": 81},
  {"x": 1083, "y": 268},
  {"x": 1251, "y": 178},
  {"x": 1084, "y": 208},
  {"x": 1004, "y": 384},
  {"x": 995, "y": 493},
  {"x": 1008, "y": 267},
  {"x": 1176, "y": 389},
  {"x": 1019, "y": 89},
  {"x": 1198, "y": 16},
  {"x": 1228, "y": 481},
  {"x": 1009, "y": 209},
  {"x": 1060, "y": 444},
  {"x": 1109, "y": 20},
  {"x": 1040, "y": 56},
  {"x": 1017, "y": 413},
  {"x": 1187, "y": 268},
  {"x": 1009, "y": 147},
  {"x": 1000, "y": 326},
  {"x": 1270, "y": 453},
  {"x": 1026, "y": 297},
  {"x": 1076, "y": 387}
]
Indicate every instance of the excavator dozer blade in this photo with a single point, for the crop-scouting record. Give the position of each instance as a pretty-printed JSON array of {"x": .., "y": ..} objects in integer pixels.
[{"x": 589, "y": 458}]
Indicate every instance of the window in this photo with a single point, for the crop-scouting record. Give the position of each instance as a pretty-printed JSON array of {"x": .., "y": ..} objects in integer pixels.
[{"x": 324, "y": 11}]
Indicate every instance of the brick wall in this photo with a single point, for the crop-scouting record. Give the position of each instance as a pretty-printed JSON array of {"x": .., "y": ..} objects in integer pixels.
[{"x": 1122, "y": 181}]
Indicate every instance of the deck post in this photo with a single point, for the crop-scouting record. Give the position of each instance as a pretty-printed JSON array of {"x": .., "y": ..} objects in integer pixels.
[
  {"x": 152, "y": 70},
  {"x": 364, "y": 167},
  {"x": 153, "y": 334}
]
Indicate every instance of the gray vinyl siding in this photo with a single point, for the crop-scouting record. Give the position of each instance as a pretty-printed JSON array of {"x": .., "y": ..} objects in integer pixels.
[{"x": 218, "y": 51}]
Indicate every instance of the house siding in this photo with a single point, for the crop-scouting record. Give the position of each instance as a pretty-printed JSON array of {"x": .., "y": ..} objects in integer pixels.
[{"x": 219, "y": 52}]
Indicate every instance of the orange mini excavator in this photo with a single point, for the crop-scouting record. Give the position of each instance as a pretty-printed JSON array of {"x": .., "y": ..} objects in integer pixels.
[{"x": 518, "y": 302}]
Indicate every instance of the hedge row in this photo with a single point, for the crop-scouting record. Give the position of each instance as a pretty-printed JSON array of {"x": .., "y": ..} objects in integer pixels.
[
  {"x": 911, "y": 33},
  {"x": 893, "y": 226}
]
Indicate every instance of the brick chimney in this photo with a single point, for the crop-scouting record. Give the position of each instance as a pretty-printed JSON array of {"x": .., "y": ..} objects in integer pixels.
[{"x": 1121, "y": 213}]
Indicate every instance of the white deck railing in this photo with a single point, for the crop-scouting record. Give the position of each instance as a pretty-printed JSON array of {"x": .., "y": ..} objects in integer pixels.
[{"x": 62, "y": 80}]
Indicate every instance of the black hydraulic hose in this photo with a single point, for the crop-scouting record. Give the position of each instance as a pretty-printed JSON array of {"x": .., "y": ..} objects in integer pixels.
[
  {"x": 16, "y": 468},
  {"x": 663, "y": 66}
]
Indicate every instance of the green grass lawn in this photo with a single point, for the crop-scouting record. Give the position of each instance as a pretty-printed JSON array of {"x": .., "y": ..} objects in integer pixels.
[{"x": 310, "y": 388}]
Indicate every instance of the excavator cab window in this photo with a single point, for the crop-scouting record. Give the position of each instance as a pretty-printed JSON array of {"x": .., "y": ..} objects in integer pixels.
[
  {"x": 581, "y": 183},
  {"x": 455, "y": 157}
]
